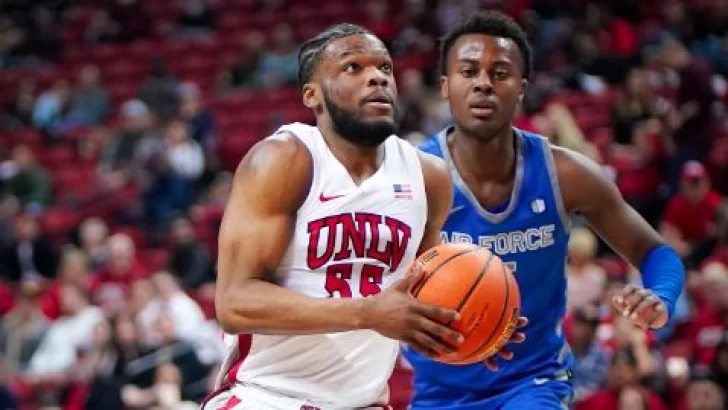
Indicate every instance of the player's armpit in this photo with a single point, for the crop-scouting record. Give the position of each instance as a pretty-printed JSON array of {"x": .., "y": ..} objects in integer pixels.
[
  {"x": 269, "y": 186},
  {"x": 438, "y": 185},
  {"x": 586, "y": 190}
]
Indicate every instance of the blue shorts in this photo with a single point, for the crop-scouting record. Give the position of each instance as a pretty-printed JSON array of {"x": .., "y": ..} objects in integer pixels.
[{"x": 550, "y": 395}]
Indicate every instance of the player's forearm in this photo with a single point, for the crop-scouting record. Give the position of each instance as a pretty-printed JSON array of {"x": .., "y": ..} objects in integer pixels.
[
  {"x": 664, "y": 274},
  {"x": 265, "y": 308}
]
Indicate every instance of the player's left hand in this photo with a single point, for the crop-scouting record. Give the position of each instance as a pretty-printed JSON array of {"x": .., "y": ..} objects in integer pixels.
[
  {"x": 641, "y": 306},
  {"x": 505, "y": 352}
]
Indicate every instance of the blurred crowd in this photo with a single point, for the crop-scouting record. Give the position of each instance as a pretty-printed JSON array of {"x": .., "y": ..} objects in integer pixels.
[{"x": 122, "y": 121}]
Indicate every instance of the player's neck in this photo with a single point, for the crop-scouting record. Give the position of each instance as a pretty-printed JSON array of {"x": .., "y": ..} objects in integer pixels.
[
  {"x": 361, "y": 162},
  {"x": 487, "y": 160}
]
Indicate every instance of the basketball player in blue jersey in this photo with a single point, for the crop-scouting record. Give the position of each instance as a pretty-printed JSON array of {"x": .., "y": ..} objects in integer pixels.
[{"x": 514, "y": 195}]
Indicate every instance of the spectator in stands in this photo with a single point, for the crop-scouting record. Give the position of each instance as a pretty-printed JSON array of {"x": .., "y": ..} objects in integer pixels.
[
  {"x": 629, "y": 338},
  {"x": 182, "y": 310},
  {"x": 636, "y": 104},
  {"x": 380, "y": 20},
  {"x": 279, "y": 64},
  {"x": 592, "y": 359},
  {"x": 243, "y": 73},
  {"x": 171, "y": 172},
  {"x": 720, "y": 364},
  {"x": 90, "y": 101},
  {"x": 692, "y": 121},
  {"x": 31, "y": 254},
  {"x": 705, "y": 394},
  {"x": 198, "y": 118},
  {"x": 95, "y": 373},
  {"x": 145, "y": 305},
  {"x": 123, "y": 156},
  {"x": 42, "y": 43},
  {"x": 52, "y": 107},
  {"x": 73, "y": 270},
  {"x": 169, "y": 347},
  {"x": 689, "y": 222},
  {"x": 23, "y": 328},
  {"x": 57, "y": 351},
  {"x": 185, "y": 156},
  {"x": 111, "y": 286},
  {"x": 27, "y": 181},
  {"x": 130, "y": 17},
  {"x": 92, "y": 234},
  {"x": 711, "y": 320},
  {"x": 166, "y": 393},
  {"x": 585, "y": 278},
  {"x": 103, "y": 29},
  {"x": 11, "y": 38},
  {"x": 675, "y": 20},
  {"x": 128, "y": 344},
  {"x": 623, "y": 377},
  {"x": 639, "y": 170},
  {"x": 419, "y": 28},
  {"x": 159, "y": 91},
  {"x": 19, "y": 112},
  {"x": 197, "y": 19},
  {"x": 190, "y": 261},
  {"x": 412, "y": 93}
]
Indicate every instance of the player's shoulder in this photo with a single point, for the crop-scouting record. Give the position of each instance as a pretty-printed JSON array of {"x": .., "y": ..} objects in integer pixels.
[
  {"x": 431, "y": 146},
  {"x": 279, "y": 166},
  {"x": 573, "y": 164},
  {"x": 282, "y": 150}
]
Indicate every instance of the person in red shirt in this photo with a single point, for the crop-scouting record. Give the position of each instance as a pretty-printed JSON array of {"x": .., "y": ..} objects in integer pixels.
[
  {"x": 689, "y": 223},
  {"x": 74, "y": 270},
  {"x": 112, "y": 284},
  {"x": 711, "y": 320},
  {"x": 623, "y": 388}
]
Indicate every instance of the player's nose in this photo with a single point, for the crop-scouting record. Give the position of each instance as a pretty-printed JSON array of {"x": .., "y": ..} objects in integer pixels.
[
  {"x": 483, "y": 83},
  {"x": 377, "y": 78}
]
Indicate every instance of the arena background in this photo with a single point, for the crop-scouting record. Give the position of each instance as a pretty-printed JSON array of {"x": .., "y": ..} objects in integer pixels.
[{"x": 122, "y": 120}]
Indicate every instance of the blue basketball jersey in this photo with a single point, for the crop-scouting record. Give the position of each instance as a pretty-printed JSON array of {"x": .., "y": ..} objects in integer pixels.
[{"x": 530, "y": 233}]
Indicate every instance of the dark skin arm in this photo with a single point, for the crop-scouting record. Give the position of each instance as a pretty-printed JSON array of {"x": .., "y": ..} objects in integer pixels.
[
  {"x": 587, "y": 191},
  {"x": 270, "y": 185}
]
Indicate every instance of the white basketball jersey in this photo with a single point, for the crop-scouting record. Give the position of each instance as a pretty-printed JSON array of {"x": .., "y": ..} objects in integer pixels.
[{"x": 349, "y": 241}]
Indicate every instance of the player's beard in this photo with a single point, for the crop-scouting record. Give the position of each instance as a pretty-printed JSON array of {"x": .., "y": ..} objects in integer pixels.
[{"x": 363, "y": 133}]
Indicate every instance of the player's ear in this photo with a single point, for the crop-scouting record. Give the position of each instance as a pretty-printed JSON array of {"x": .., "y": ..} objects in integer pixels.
[
  {"x": 522, "y": 91},
  {"x": 310, "y": 96},
  {"x": 444, "y": 89}
]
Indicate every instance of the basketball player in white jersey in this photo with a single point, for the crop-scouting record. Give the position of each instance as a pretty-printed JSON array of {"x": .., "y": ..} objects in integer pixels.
[{"x": 321, "y": 227}]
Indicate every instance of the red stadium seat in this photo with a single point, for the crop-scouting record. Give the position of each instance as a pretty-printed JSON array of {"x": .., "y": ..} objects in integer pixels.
[
  {"x": 57, "y": 222},
  {"x": 57, "y": 157}
]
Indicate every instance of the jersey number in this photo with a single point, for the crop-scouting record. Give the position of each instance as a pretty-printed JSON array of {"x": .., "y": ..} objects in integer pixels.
[{"x": 338, "y": 277}]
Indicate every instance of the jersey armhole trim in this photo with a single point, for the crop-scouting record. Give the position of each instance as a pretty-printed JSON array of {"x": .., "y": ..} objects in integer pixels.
[
  {"x": 555, "y": 185},
  {"x": 312, "y": 177}
]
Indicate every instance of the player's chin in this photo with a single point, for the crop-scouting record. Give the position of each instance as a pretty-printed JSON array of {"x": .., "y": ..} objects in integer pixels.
[{"x": 380, "y": 122}]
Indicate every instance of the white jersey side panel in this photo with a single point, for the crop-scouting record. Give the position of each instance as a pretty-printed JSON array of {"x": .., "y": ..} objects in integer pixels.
[{"x": 349, "y": 241}]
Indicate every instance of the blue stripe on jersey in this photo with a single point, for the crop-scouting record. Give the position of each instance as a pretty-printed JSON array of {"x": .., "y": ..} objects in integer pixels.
[{"x": 531, "y": 235}]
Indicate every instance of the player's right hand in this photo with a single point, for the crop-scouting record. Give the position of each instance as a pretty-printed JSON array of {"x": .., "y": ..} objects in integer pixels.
[{"x": 395, "y": 313}]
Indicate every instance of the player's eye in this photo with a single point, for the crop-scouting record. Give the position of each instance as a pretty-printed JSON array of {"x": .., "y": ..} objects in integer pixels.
[
  {"x": 352, "y": 67},
  {"x": 386, "y": 68},
  {"x": 501, "y": 74},
  {"x": 469, "y": 72}
]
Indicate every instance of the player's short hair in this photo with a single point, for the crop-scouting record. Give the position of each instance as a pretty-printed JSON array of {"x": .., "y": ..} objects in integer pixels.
[
  {"x": 492, "y": 23},
  {"x": 309, "y": 55}
]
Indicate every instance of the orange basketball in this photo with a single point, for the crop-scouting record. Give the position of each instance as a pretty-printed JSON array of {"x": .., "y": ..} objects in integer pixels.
[{"x": 476, "y": 283}]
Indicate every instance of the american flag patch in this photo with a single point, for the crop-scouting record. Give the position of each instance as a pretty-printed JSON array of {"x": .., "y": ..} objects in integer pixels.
[{"x": 402, "y": 191}]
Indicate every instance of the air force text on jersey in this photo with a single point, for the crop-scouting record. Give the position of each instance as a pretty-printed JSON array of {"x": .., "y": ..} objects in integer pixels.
[{"x": 507, "y": 243}]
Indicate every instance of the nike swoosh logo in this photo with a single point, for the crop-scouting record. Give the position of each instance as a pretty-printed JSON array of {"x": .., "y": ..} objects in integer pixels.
[{"x": 324, "y": 198}]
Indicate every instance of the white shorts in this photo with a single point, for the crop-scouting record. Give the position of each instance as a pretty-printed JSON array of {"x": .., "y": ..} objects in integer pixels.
[{"x": 224, "y": 399}]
